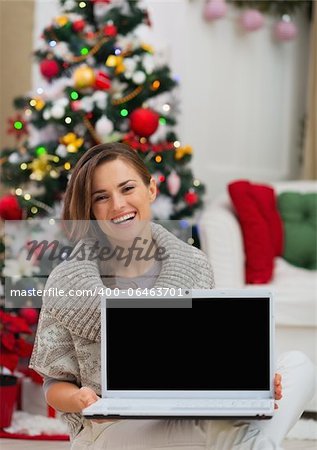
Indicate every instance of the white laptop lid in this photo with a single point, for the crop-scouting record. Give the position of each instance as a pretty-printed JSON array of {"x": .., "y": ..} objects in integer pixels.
[{"x": 211, "y": 344}]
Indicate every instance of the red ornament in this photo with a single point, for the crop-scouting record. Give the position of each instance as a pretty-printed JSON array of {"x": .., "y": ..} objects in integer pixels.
[
  {"x": 49, "y": 68},
  {"x": 10, "y": 208},
  {"x": 102, "y": 81},
  {"x": 110, "y": 30},
  {"x": 79, "y": 25},
  {"x": 144, "y": 122},
  {"x": 191, "y": 198},
  {"x": 75, "y": 105}
]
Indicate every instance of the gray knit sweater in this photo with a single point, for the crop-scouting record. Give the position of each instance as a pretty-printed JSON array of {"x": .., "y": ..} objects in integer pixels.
[{"x": 67, "y": 343}]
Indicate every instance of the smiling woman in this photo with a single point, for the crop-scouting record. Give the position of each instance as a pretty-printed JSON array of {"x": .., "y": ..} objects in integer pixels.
[{"x": 112, "y": 191}]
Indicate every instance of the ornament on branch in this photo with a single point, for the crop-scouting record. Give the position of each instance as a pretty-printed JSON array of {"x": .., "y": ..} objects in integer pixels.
[
  {"x": 72, "y": 142},
  {"x": 10, "y": 208},
  {"x": 144, "y": 121},
  {"x": 173, "y": 183},
  {"x": 104, "y": 127},
  {"x": 191, "y": 198},
  {"x": 49, "y": 68},
  {"x": 182, "y": 151},
  {"x": 102, "y": 81},
  {"x": 84, "y": 77}
]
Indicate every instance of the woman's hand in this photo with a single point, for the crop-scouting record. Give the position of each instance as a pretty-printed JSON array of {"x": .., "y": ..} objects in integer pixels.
[
  {"x": 277, "y": 388},
  {"x": 84, "y": 397}
]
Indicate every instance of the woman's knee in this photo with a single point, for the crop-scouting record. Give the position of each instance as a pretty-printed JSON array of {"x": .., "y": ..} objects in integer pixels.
[{"x": 300, "y": 366}]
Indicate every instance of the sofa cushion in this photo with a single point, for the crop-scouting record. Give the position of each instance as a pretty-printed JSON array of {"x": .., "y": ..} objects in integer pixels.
[
  {"x": 299, "y": 214},
  {"x": 261, "y": 226}
]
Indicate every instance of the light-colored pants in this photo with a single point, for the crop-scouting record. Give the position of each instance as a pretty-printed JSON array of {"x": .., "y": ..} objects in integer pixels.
[{"x": 298, "y": 383}]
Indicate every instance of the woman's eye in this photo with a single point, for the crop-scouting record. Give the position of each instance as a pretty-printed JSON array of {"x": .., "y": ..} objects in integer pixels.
[
  {"x": 128, "y": 188},
  {"x": 101, "y": 197}
]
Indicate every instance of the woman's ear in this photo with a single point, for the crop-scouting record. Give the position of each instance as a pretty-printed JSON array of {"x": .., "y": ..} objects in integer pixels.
[{"x": 152, "y": 190}]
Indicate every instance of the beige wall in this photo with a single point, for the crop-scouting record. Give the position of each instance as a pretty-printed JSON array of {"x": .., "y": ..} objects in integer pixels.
[{"x": 16, "y": 27}]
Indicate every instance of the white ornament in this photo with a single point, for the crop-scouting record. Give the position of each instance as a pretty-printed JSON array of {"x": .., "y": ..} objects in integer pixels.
[
  {"x": 57, "y": 111},
  {"x": 162, "y": 207},
  {"x": 104, "y": 126},
  {"x": 47, "y": 114},
  {"x": 138, "y": 77},
  {"x": 61, "y": 151},
  {"x": 148, "y": 63},
  {"x": 173, "y": 183},
  {"x": 87, "y": 104},
  {"x": 14, "y": 158},
  {"x": 100, "y": 98}
]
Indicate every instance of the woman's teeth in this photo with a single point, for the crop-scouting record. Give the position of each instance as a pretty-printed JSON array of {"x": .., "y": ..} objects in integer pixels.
[{"x": 123, "y": 218}]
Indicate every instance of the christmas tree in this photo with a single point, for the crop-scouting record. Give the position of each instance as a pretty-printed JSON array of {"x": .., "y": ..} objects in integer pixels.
[{"x": 103, "y": 84}]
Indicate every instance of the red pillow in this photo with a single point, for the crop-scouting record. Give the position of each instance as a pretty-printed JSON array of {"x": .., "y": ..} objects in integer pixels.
[{"x": 261, "y": 225}]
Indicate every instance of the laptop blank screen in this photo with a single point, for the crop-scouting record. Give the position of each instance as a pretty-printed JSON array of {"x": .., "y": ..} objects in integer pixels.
[{"x": 218, "y": 344}]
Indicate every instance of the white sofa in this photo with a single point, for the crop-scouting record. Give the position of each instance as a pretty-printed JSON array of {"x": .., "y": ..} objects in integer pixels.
[{"x": 295, "y": 289}]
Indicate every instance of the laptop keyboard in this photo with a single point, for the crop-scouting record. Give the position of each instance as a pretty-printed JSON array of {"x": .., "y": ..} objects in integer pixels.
[{"x": 208, "y": 404}]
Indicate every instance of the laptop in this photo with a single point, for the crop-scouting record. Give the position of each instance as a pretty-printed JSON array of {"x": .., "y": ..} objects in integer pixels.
[{"x": 201, "y": 354}]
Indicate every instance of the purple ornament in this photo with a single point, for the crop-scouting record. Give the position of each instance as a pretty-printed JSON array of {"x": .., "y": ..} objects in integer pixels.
[
  {"x": 285, "y": 29},
  {"x": 252, "y": 20},
  {"x": 214, "y": 9}
]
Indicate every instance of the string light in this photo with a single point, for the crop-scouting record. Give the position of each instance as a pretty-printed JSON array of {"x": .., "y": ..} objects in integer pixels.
[
  {"x": 51, "y": 222},
  {"x": 18, "y": 125},
  {"x": 40, "y": 91},
  {"x": 27, "y": 197},
  {"x": 155, "y": 85},
  {"x": 196, "y": 183},
  {"x": 158, "y": 158},
  {"x": 68, "y": 120},
  {"x": 74, "y": 95},
  {"x": 18, "y": 191},
  {"x": 34, "y": 210},
  {"x": 176, "y": 144},
  {"x": 67, "y": 166},
  {"x": 84, "y": 51},
  {"x": 41, "y": 151},
  {"x": 166, "y": 107},
  {"x": 124, "y": 112},
  {"x": 52, "y": 43},
  {"x": 162, "y": 121},
  {"x": 33, "y": 102},
  {"x": 190, "y": 241},
  {"x": 143, "y": 140},
  {"x": 23, "y": 166},
  {"x": 82, "y": 5}
]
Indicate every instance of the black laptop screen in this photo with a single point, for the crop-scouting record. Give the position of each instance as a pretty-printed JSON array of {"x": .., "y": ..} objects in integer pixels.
[{"x": 218, "y": 344}]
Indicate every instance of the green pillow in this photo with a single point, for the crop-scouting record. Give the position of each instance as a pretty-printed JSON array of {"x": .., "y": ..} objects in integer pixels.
[{"x": 299, "y": 215}]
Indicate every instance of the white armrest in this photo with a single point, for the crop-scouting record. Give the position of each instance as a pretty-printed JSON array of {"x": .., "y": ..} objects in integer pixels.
[{"x": 221, "y": 240}]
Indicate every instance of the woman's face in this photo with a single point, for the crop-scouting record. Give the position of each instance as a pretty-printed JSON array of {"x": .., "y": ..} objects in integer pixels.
[{"x": 121, "y": 202}]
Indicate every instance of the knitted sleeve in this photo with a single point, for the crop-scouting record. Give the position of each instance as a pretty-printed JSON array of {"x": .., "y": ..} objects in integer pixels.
[{"x": 54, "y": 352}]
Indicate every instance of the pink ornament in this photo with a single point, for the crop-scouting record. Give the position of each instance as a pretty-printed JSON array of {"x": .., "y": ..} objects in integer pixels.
[
  {"x": 285, "y": 29},
  {"x": 173, "y": 183},
  {"x": 214, "y": 9},
  {"x": 252, "y": 20}
]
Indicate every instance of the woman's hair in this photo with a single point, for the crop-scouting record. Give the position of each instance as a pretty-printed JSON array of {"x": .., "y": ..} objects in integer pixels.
[{"x": 77, "y": 201}]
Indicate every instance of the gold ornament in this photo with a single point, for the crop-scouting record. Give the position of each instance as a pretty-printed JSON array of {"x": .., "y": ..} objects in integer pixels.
[
  {"x": 147, "y": 47},
  {"x": 182, "y": 151},
  {"x": 61, "y": 20},
  {"x": 117, "y": 62},
  {"x": 39, "y": 103},
  {"x": 72, "y": 142},
  {"x": 40, "y": 166},
  {"x": 83, "y": 77}
]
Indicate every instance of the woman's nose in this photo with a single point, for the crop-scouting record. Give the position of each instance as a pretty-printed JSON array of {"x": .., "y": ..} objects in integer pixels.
[{"x": 118, "y": 202}]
